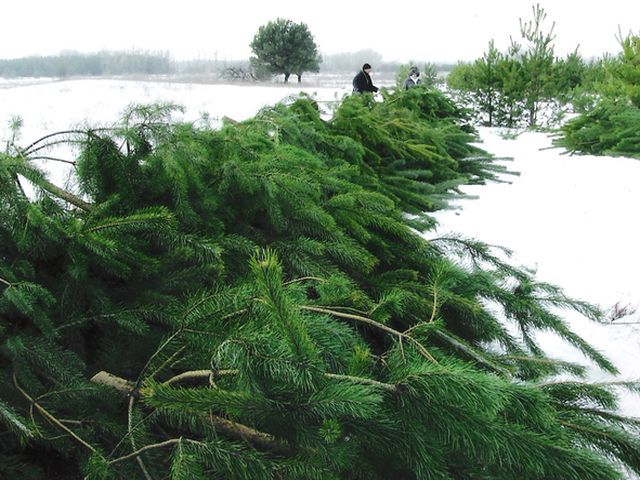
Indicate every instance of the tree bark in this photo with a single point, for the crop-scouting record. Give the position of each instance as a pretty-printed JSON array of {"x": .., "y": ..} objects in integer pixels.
[{"x": 259, "y": 440}]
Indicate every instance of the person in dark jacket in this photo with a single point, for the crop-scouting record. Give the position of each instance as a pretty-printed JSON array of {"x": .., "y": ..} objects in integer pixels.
[
  {"x": 362, "y": 81},
  {"x": 413, "y": 80}
]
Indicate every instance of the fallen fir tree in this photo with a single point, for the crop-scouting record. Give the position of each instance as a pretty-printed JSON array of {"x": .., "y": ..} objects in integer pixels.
[
  {"x": 610, "y": 128},
  {"x": 260, "y": 301}
]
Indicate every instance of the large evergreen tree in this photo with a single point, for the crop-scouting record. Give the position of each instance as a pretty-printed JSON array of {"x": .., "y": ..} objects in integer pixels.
[
  {"x": 285, "y": 47},
  {"x": 262, "y": 301}
]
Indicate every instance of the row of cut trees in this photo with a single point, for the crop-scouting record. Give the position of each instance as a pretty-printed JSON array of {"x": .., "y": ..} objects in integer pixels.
[{"x": 261, "y": 302}]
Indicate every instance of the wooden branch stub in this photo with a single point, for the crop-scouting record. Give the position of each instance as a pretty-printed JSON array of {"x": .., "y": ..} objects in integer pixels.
[
  {"x": 109, "y": 380},
  {"x": 258, "y": 440}
]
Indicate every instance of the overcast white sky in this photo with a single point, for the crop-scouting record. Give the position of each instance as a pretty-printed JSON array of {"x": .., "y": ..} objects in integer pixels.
[{"x": 444, "y": 30}]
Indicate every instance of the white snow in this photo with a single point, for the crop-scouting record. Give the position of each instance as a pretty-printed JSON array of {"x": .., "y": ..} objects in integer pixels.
[
  {"x": 572, "y": 218},
  {"x": 48, "y": 107}
]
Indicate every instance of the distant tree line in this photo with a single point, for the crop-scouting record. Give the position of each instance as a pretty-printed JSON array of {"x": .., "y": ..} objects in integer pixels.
[
  {"x": 69, "y": 64},
  {"x": 72, "y": 64},
  {"x": 348, "y": 61}
]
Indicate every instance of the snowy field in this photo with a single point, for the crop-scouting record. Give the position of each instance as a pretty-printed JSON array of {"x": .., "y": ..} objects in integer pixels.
[
  {"x": 47, "y": 107},
  {"x": 570, "y": 218}
]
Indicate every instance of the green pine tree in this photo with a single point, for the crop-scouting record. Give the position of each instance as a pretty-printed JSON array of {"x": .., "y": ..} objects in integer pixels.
[{"x": 285, "y": 47}]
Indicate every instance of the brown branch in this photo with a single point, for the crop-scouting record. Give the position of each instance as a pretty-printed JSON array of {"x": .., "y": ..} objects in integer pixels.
[
  {"x": 238, "y": 431},
  {"x": 423, "y": 351},
  {"x": 433, "y": 313},
  {"x": 132, "y": 440},
  {"x": 16, "y": 177},
  {"x": 199, "y": 374},
  {"x": 64, "y": 195},
  {"x": 367, "y": 381},
  {"x": 435, "y": 303},
  {"x": 417, "y": 325},
  {"x": 53, "y": 159},
  {"x": 235, "y": 430},
  {"x": 257, "y": 439},
  {"x": 358, "y": 318},
  {"x": 621, "y": 383},
  {"x": 549, "y": 361},
  {"x": 468, "y": 350},
  {"x": 46, "y": 185},
  {"x": 52, "y": 144},
  {"x": 200, "y": 332},
  {"x": 50, "y": 417},
  {"x": 166, "y": 443},
  {"x": 89, "y": 131},
  {"x": 65, "y": 132},
  {"x": 72, "y": 422},
  {"x": 58, "y": 392},
  {"x": 128, "y": 387},
  {"x": 7, "y": 283},
  {"x": 302, "y": 279},
  {"x": 109, "y": 380},
  {"x": 582, "y": 428},
  {"x": 348, "y": 309},
  {"x": 116, "y": 223},
  {"x": 218, "y": 373}
]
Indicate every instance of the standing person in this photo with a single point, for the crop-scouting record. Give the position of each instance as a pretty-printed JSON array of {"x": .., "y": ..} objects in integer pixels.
[
  {"x": 362, "y": 81},
  {"x": 413, "y": 79}
]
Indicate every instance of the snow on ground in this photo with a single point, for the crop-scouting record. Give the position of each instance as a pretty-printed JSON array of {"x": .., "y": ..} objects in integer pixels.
[
  {"x": 569, "y": 217},
  {"x": 572, "y": 219},
  {"x": 59, "y": 105},
  {"x": 46, "y": 107}
]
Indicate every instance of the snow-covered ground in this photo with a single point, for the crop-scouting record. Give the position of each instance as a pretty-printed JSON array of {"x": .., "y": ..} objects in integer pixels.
[
  {"x": 57, "y": 105},
  {"x": 53, "y": 106},
  {"x": 572, "y": 218}
]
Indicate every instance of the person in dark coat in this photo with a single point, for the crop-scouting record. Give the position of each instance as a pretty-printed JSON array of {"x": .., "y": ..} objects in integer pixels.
[
  {"x": 413, "y": 80},
  {"x": 362, "y": 81}
]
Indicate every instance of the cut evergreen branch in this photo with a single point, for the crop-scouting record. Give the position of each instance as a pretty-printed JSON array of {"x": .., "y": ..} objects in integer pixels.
[{"x": 609, "y": 124}]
